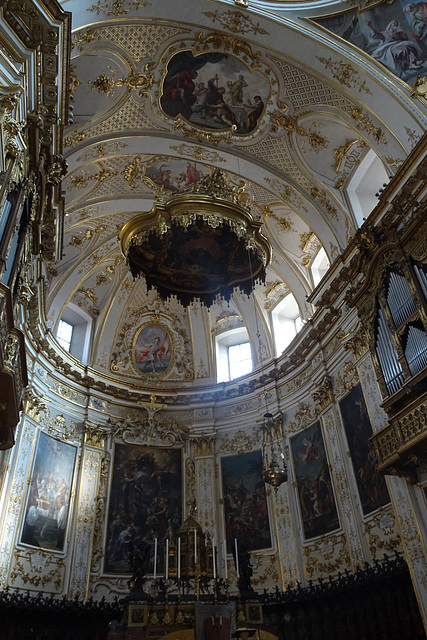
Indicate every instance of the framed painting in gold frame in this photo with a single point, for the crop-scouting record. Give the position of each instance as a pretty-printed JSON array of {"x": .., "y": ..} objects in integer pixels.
[{"x": 137, "y": 615}]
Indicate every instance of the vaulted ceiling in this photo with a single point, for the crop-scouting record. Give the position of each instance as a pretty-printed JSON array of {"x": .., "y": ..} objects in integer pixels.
[{"x": 330, "y": 115}]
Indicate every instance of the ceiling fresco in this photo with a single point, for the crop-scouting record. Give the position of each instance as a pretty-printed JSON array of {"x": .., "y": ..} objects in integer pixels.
[{"x": 162, "y": 95}]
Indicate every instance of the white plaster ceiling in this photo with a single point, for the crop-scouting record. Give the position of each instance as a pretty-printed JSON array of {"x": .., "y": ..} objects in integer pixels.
[{"x": 289, "y": 162}]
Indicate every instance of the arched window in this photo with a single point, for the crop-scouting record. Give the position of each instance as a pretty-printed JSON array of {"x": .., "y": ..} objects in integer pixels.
[
  {"x": 366, "y": 182},
  {"x": 286, "y": 322},
  {"x": 233, "y": 354},
  {"x": 74, "y": 330},
  {"x": 319, "y": 266}
]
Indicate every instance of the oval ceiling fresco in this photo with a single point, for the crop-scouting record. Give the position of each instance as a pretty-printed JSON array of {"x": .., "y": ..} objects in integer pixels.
[{"x": 214, "y": 91}]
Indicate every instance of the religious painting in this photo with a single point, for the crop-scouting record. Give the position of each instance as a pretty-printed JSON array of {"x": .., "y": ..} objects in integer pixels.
[
  {"x": 153, "y": 349},
  {"x": 137, "y": 615},
  {"x": 371, "y": 485},
  {"x": 174, "y": 175},
  {"x": 394, "y": 34},
  {"x": 145, "y": 507},
  {"x": 214, "y": 91},
  {"x": 48, "y": 497},
  {"x": 314, "y": 485},
  {"x": 245, "y": 502}
]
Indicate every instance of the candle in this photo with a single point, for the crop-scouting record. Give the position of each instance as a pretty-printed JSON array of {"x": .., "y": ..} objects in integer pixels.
[
  {"x": 213, "y": 558},
  {"x": 179, "y": 558},
  {"x": 195, "y": 547},
  {"x": 167, "y": 558},
  {"x": 225, "y": 560},
  {"x": 155, "y": 557},
  {"x": 237, "y": 557}
]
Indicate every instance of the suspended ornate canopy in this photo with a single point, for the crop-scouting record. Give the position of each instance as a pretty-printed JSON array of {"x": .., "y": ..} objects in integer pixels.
[{"x": 201, "y": 243}]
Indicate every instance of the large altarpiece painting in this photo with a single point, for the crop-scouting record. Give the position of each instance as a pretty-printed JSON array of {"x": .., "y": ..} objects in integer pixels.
[
  {"x": 49, "y": 494},
  {"x": 145, "y": 505},
  {"x": 316, "y": 496},
  {"x": 371, "y": 485},
  {"x": 245, "y": 502}
]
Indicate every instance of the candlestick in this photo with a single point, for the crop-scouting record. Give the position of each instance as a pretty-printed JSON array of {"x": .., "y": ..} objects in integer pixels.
[
  {"x": 195, "y": 547},
  {"x": 179, "y": 558},
  {"x": 225, "y": 560},
  {"x": 167, "y": 558},
  {"x": 213, "y": 558},
  {"x": 155, "y": 557},
  {"x": 237, "y": 557}
]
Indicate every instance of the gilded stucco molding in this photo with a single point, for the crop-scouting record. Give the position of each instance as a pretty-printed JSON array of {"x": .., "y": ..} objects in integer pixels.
[
  {"x": 345, "y": 73},
  {"x": 291, "y": 125},
  {"x": 206, "y": 494},
  {"x": 364, "y": 123},
  {"x": 303, "y": 417},
  {"x": 198, "y": 153},
  {"x": 341, "y": 480},
  {"x": 160, "y": 431},
  {"x": 419, "y": 89},
  {"x": 74, "y": 138},
  {"x": 137, "y": 317},
  {"x": 226, "y": 320},
  {"x": 117, "y": 8},
  {"x": 286, "y": 557},
  {"x": 33, "y": 568},
  {"x": 100, "y": 518},
  {"x": 358, "y": 342},
  {"x": 94, "y": 436},
  {"x": 213, "y": 137},
  {"x": 240, "y": 441},
  {"x": 275, "y": 291},
  {"x": 265, "y": 570},
  {"x": 203, "y": 444},
  {"x": 85, "y": 521},
  {"x": 140, "y": 82},
  {"x": 58, "y": 427},
  {"x": 81, "y": 181},
  {"x": 190, "y": 485},
  {"x": 346, "y": 379},
  {"x": 34, "y": 406},
  {"x": 236, "y": 22},
  {"x": 382, "y": 534},
  {"x": 323, "y": 394},
  {"x": 225, "y": 42},
  {"x": 326, "y": 556}
]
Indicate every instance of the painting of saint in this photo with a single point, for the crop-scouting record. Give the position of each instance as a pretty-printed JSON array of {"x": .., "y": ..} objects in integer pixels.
[
  {"x": 371, "y": 485},
  {"x": 145, "y": 505},
  {"x": 245, "y": 502},
  {"x": 153, "y": 349},
  {"x": 393, "y": 34},
  {"x": 214, "y": 91},
  {"x": 316, "y": 496},
  {"x": 48, "y": 498},
  {"x": 175, "y": 175}
]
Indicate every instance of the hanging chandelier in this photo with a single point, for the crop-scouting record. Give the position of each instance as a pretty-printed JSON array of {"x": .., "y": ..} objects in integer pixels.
[
  {"x": 201, "y": 243},
  {"x": 274, "y": 471}
]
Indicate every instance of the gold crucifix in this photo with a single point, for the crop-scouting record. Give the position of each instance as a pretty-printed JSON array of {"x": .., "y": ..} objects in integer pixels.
[{"x": 153, "y": 404}]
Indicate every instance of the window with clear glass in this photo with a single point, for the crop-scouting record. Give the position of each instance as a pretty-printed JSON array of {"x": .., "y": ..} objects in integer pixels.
[
  {"x": 287, "y": 322},
  {"x": 64, "y": 334},
  {"x": 233, "y": 354},
  {"x": 239, "y": 360}
]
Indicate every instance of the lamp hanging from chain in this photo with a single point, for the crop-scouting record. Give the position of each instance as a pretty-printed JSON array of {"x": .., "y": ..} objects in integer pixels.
[{"x": 274, "y": 471}]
